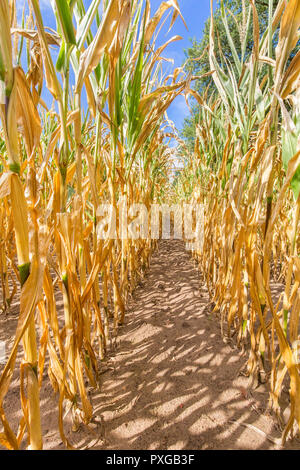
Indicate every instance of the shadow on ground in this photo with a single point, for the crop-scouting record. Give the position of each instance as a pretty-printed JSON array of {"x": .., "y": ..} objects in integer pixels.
[{"x": 171, "y": 382}]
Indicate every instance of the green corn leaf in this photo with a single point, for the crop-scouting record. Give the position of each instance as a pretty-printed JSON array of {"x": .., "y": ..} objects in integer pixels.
[
  {"x": 290, "y": 135},
  {"x": 230, "y": 40},
  {"x": 85, "y": 23},
  {"x": 61, "y": 57},
  {"x": 64, "y": 15}
]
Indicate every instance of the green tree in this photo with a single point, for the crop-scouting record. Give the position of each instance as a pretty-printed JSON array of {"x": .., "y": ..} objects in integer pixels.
[{"x": 197, "y": 55}]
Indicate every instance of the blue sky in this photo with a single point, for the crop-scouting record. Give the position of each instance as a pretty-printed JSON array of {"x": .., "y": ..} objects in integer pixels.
[{"x": 195, "y": 13}]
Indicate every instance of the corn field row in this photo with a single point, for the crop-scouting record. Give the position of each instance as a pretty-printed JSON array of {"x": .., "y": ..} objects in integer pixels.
[
  {"x": 245, "y": 170},
  {"x": 59, "y": 164}
]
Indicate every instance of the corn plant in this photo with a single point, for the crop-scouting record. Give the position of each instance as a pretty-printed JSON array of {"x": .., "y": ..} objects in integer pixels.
[
  {"x": 58, "y": 166},
  {"x": 245, "y": 171}
]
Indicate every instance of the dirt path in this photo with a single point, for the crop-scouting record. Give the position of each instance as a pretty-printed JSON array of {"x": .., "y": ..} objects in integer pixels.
[{"x": 172, "y": 382}]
